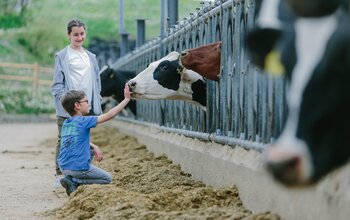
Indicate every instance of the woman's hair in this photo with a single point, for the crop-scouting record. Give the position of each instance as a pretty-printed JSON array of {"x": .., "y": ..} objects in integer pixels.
[
  {"x": 75, "y": 23},
  {"x": 70, "y": 98}
]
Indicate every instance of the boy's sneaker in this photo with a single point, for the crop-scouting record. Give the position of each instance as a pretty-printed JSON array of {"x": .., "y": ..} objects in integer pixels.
[
  {"x": 68, "y": 184},
  {"x": 57, "y": 183}
]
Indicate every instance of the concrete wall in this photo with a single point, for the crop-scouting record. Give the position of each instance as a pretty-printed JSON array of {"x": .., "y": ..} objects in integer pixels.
[{"x": 220, "y": 165}]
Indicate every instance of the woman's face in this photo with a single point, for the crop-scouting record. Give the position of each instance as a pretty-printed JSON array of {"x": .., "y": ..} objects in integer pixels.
[{"x": 77, "y": 37}]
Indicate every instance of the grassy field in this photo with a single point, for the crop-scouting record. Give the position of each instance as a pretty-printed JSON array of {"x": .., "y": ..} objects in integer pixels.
[
  {"x": 45, "y": 30},
  {"x": 44, "y": 33}
]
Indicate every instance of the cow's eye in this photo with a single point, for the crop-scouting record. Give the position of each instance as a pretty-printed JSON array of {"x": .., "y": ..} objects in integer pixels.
[
  {"x": 111, "y": 76},
  {"x": 164, "y": 68}
]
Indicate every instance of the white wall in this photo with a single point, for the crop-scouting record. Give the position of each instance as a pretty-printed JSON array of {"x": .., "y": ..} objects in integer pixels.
[{"x": 221, "y": 165}]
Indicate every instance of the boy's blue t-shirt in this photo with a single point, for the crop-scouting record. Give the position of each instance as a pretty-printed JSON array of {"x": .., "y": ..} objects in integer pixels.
[{"x": 75, "y": 143}]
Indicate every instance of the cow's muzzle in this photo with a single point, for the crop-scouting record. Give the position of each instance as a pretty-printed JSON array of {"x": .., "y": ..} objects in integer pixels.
[
  {"x": 288, "y": 169},
  {"x": 132, "y": 84}
]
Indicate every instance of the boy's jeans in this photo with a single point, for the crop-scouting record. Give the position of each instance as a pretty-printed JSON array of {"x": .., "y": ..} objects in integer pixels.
[
  {"x": 94, "y": 175},
  {"x": 59, "y": 122}
]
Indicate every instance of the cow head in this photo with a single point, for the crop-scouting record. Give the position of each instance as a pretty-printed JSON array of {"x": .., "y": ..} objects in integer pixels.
[
  {"x": 314, "y": 140},
  {"x": 289, "y": 161},
  {"x": 168, "y": 79},
  {"x": 113, "y": 82},
  {"x": 274, "y": 17},
  {"x": 108, "y": 79},
  {"x": 204, "y": 60},
  {"x": 313, "y": 8}
]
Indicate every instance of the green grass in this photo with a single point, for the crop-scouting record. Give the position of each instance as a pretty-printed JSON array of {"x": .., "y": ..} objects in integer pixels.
[
  {"x": 40, "y": 32},
  {"x": 45, "y": 30},
  {"x": 11, "y": 21},
  {"x": 12, "y": 51},
  {"x": 17, "y": 98}
]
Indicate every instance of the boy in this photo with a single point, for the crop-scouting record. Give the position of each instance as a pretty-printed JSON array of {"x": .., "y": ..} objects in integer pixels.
[{"x": 75, "y": 156}]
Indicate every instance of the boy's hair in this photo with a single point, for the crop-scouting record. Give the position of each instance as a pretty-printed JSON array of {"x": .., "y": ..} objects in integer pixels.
[
  {"x": 70, "y": 98},
  {"x": 75, "y": 23}
]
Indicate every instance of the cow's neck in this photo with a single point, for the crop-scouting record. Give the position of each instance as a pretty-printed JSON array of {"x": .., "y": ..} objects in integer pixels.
[{"x": 192, "y": 88}]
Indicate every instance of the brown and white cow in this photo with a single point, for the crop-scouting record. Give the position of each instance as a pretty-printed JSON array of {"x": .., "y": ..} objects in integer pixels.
[
  {"x": 168, "y": 79},
  {"x": 204, "y": 60},
  {"x": 179, "y": 75}
]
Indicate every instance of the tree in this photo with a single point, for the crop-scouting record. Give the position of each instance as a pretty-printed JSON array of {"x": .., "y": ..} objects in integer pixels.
[{"x": 8, "y": 7}]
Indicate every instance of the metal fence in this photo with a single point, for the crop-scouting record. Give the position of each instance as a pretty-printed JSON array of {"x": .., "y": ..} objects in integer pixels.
[{"x": 245, "y": 107}]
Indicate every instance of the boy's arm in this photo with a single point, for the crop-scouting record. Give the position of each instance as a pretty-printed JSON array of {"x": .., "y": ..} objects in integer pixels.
[{"x": 114, "y": 111}]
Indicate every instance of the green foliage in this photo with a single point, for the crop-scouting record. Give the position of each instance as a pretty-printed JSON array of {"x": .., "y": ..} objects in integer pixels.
[
  {"x": 38, "y": 41},
  {"x": 12, "y": 13},
  {"x": 12, "y": 51},
  {"x": 20, "y": 100},
  {"x": 38, "y": 31},
  {"x": 11, "y": 21},
  {"x": 4, "y": 50},
  {"x": 45, "y": 23}
]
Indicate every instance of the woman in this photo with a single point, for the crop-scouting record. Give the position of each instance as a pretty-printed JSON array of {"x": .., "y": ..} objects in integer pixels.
[{"x": 75, "y": 68}]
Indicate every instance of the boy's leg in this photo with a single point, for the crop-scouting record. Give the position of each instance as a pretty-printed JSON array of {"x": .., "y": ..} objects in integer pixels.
[
  {"x": 59, "y": 121},
  {"x": 94, "y": 175},
  {"x": 68, "y": 184}
]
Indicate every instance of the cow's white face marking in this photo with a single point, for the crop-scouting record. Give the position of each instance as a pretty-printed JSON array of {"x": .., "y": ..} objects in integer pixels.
[
  {"x": 146, "y": 86},
  {"x": 268, "y": 15}
]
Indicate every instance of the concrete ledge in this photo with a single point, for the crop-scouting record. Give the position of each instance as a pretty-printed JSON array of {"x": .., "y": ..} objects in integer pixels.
[{"x": 221, "y": 165}]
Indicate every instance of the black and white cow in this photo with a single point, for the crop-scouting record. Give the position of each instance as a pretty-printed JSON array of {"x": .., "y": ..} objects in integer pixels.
[
  {"x": 273, "y": 18},
  {"x": 168, "y": 79},
  {"x": 113, "y": 82},
  {"x": 315, "y": 55}
]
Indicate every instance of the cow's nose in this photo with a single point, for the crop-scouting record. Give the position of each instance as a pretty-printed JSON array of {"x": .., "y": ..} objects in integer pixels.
[
  {"x": 132, "y": 84},
  {"x": 184, "y": 53},
  {"x": 285, "y": 171}
]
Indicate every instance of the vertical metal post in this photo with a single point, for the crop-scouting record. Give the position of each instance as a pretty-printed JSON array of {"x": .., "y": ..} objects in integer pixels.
[
  {"x": 163, "y": 24},
  {"x": 121, "y": 17},
  {"x": 173, "y": 12},
  {"x": 123, "y": 33},
  {"x": 140, "y": 32},
  {"x": 124, "y": 44}
]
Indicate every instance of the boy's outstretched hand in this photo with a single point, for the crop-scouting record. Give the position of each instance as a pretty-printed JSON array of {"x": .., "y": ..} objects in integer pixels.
[
  {"x": 114, "y": 111},
  {"x": 127, "y": 93}
]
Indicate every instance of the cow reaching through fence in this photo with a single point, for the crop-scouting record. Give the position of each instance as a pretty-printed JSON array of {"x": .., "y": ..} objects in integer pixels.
[{"x": 179, "y": 75}]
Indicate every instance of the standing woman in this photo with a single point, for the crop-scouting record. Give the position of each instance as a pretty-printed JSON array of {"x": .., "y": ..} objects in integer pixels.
[{"x": 75, "y": 68}]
